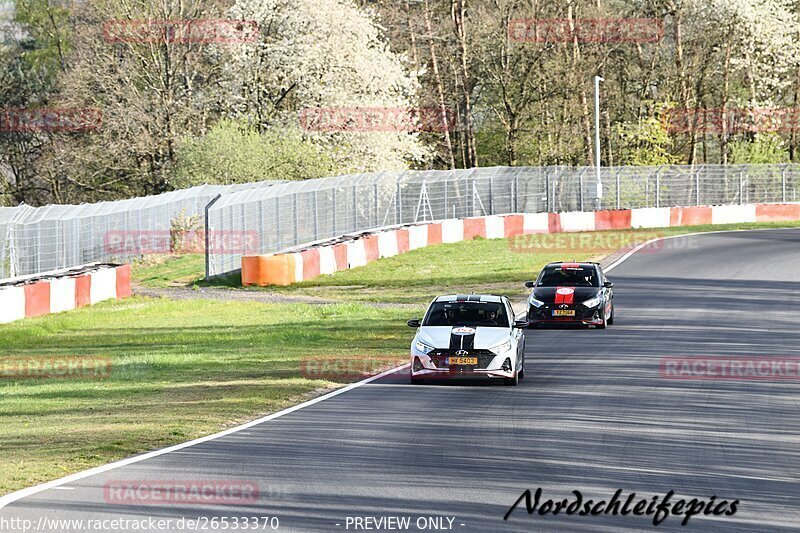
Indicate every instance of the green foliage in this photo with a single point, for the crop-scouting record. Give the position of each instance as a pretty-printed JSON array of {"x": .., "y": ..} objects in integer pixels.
[
  {"x": 46, "y": 38},
  {"x": 764, "y": 148},
  {"x": 530, "y": 148},
  {"x": 644, "y": 143},
  {"x": 235, "y": 152}
]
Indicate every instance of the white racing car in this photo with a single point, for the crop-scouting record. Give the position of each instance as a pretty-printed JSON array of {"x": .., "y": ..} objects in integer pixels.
[{"x": 468, "y": 336}]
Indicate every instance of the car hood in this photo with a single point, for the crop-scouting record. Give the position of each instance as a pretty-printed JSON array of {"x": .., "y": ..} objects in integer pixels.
[
  {"x": 455, "y": 338},
  {"x": 565, "y": 295}
]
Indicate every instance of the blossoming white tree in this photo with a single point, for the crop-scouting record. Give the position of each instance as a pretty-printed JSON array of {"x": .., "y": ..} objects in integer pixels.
[
  {"x": 323, "y": 54},
  {"x": 763, "y": 35}
]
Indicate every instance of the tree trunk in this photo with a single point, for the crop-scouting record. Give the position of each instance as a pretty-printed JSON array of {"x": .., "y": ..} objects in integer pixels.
[
  {"x": 684, "y": 86},
  {"x": 411, "y": 33},
  {"x": 726, "y": 75},
  {"x": 793, "y": 116},
  {"x": 576, "y": 65},
  {"x": 439, "y": 88},
  {"x": 457, "y": 11}
]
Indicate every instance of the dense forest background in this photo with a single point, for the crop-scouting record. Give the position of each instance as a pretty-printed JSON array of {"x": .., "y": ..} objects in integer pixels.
[{"x": 176, "y": 113}]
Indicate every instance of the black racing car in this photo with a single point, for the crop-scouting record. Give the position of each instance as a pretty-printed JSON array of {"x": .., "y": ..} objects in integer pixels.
[{"x": 571, "y": 293}]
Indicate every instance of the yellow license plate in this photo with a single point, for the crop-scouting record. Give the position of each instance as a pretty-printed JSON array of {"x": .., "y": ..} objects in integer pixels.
[
  {"x": 564, "y": 312},
  {"x": 463, "y": 360}
]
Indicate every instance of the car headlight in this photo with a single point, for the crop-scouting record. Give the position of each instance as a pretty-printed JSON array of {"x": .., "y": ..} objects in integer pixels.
[
  {"x": 534, "y": 302},
  {"x": 500, "y": 348},
  {"x": 422, "y": 347},
  {"x": 592, "y": 302}
]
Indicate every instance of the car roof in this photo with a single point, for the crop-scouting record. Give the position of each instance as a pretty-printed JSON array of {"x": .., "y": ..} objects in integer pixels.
[
  {"x": 573, "y": 264},
  {"x": 469, "y": 298}
]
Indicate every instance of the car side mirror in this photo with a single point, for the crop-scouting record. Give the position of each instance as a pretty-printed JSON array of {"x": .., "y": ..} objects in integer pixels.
[
  {"x": 414, "y": 323},
  {"x": 530, "y": 284},
  {"x": 521, "y": 324},
  {"x": 608, "y": 284}
]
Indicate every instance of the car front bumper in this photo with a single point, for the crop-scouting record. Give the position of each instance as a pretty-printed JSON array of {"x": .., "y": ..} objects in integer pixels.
[
  {"x": 589, "y": 316},
  {"x": 490, "y": 366},
  {"x": 443, "y": 374}
]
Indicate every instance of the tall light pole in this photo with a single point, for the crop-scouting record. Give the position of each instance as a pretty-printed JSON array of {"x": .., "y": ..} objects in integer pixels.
[{"x": 597, "y": 80}]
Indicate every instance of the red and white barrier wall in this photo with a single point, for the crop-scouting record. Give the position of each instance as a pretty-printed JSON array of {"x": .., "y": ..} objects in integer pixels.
[
  {"x": 71, "y": 290},
  {"x": 326, "y": 258}
]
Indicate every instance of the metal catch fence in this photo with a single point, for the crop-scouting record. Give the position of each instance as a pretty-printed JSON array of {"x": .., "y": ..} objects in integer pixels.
[{"x": 277, "y": 216}]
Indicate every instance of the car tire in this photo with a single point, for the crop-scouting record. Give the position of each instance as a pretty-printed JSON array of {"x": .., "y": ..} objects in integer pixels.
[
  {"x": 522, "y": 371},
  {"x": 604, "y": 324},
  {"x": 512, "y": 382},
  {"x": 416, "y": 381},
  {"x": 611, "y": 318}
]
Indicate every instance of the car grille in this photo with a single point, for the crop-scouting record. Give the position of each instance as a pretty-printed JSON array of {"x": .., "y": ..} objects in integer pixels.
[
  {"x": 545, "y": 312},
  {"x": 485, "y": 358}
]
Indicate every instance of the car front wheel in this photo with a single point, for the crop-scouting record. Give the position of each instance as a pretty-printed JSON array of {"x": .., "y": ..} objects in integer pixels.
[{"x": 512, "y": 382}]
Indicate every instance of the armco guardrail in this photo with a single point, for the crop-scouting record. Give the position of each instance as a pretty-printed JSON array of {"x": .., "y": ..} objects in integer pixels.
[
  {"x": 355, "y": 251},
  {"x": 63, "y": 291}
]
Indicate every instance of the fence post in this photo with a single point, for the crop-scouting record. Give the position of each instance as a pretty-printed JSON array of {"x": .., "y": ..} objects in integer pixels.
[
  {"x": 375, "y": 193},
  {"x": 547, "y": 190},
  {"x": 741, "y": 187},
  {"x": 783, "y": 184},
  {"x": 515, "y": 193},
  {"x": 278, "y": 229},
  {"x": 333, "y": 205},
  {"x": 316, "y": 215},
  {"x": 38, "y": 247},
  {"x": 580, "y": 189},
  {"x": 398, "y": 209},
  {"x": 11, "y": 249},
  {"x": 296, "y": 228},
  {"x": 474, "y": 193},
  {"x": 208, "y": 239},
  {"x": 491, "y": 195},
  {"x": 658, "y": 188},
  {"x": 446, "y": 183},
  {"x": 355, "y": 206},
  {"x": 618, "y": 189},
  {"x": 697, "y": 186}
]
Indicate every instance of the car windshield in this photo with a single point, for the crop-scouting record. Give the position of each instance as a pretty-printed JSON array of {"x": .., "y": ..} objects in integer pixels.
[
  {"x": 560, "y": 276},
  {"x": 486, "y": 314}
]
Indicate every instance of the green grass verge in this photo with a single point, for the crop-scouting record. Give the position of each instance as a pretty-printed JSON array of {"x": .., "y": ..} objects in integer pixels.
[
  {"x": 180, "y": 370},
  {"x": 496, "y": 265}
]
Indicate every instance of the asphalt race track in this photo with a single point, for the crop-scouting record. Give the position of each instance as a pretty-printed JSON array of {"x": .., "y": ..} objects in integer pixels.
[{"x": 594, "y": 414}]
